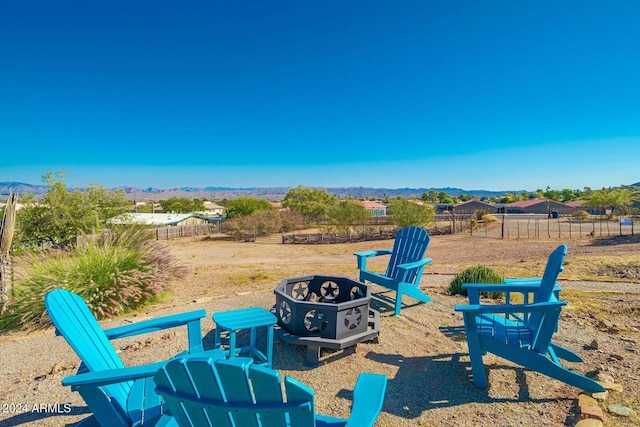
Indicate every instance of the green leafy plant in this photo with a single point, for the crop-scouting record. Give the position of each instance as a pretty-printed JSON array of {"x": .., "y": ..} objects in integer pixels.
[
  {"x": 118, "y": 272},
  {"x": 475, "y": 274},
  {"x": 404, "y": 213}
]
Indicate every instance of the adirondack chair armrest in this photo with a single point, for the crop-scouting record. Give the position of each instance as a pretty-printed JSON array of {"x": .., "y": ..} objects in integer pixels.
[
  {"x": 191, "y": 319},
  {"x": 413, "y": 265},
  {"x": 363, "y": 256},
  {"x": 113, "y": 376},
  {"x": 368, "y": 397},
  {"x": 369, "y": 254},
  {"x": 404, "y": 270},
  {"x": 529, "y": 281},
  {"x": 509, "y": 308},
  {"x": 508, "y": 287},
  {"x": 417, "y": 264},
  {"x": 525, "y": 280},
  {"x": 501, "y": 287}
]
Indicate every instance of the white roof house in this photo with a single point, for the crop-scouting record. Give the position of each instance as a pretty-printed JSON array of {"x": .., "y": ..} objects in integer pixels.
[
  {"x": 157, "y": 219},
  {"x": 211, "y": 210}
]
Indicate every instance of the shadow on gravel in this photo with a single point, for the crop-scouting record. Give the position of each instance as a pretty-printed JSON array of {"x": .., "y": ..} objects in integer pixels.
[
  {"x": 616, "y": 240},
  {"x": 431, "y": 382},
  {"x": 385, "y": 303},
  {"x": 26, "y": 418}
]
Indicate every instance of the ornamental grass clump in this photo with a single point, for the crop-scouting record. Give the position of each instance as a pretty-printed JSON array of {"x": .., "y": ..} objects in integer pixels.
[
  {"x": 119, "y": 272},
  {"x": 475, "y": 274}
]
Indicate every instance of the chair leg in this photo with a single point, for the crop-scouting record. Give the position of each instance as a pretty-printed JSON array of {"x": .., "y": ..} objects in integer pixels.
[
  {"x": 564, "y": 353},
  {"x": 547, "y": 367},
  {"x": 398, "y": 303},
  {"x": 475, "y": 351}
]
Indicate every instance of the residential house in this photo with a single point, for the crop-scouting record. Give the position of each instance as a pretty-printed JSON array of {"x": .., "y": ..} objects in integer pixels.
[
  {"x": 158, "y": 220},
  {"x": 539, "y": 206},
  {"x": 581, "y": 205},
  {"x": 376, "y": 209},
  {"x": 471, "y": 206},
  {"x": 213, "y": 209}
]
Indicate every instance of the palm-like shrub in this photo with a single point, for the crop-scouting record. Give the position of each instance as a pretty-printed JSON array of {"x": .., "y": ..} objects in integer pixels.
[
  {"x": 475, "y": 274},
  {"x": 118, "y": 272}
]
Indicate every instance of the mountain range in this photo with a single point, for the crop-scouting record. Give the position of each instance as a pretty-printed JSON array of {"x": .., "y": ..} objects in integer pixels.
[{"x": 269, "y": 193}]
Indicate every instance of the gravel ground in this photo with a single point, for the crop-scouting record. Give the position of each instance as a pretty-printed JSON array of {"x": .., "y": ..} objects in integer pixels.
[{"x": 423, "y": 352}]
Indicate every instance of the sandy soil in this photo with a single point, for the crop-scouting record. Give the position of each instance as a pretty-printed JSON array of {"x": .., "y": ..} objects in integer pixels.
[{"x": 422, "y": 352}]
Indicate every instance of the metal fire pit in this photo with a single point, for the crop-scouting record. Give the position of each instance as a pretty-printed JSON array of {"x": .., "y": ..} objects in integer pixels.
[{"x": 324, "y": 311}]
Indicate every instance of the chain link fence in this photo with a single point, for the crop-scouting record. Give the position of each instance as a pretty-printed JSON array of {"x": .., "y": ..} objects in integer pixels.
[{"x": 522, "y": 226}]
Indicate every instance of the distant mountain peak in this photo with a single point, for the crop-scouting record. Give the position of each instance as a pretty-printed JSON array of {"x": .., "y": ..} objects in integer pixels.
[{"x": 269, "y": 193}]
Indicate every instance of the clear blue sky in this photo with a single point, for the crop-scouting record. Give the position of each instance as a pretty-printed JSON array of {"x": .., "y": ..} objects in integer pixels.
[{"x": 495, "y": 95}]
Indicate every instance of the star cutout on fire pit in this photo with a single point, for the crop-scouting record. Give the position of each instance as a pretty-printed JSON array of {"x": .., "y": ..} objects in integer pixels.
[
  {"x": 285, "y": 312},
  {"x": 329, "y": 290},
  {"x": 356, "y": 293},
  {"x": 315, "y": 321},
  {"x": 300, "y": 290},
  {"x": 353, "y": 318}
]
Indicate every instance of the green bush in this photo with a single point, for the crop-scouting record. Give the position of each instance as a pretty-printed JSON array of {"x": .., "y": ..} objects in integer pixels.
[
  {"x": 476, "y": 274},
  {"x": 479, "y": 213},
  {"x": 117, "y": 273}
]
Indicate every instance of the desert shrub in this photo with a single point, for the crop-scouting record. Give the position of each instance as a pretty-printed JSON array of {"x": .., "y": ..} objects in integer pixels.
[
  {"x": 479, "y": 213},
  {"x": 293, "y": 220},
  {"x": 261, "y": 223},
  {"x": 475, "y": 274},
  {"x": 489, "y": 218},
  {"x": 117, "y": 273},
  {"x": 582, "y": 215}
]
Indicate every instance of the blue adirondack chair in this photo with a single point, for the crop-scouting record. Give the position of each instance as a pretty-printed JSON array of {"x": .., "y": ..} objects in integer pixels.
[
  {"x": 117, "y": 396},
  {"x": 522, "y": 333},
  {"x": 200, "y": 391},
  {"x": 405, "y": 267}
]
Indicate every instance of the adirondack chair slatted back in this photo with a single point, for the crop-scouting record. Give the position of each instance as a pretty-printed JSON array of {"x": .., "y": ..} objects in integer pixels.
[
  {"x": 410, "y": 245},
  {"x": 232, "y": 392},
  {"x": 75, "y": 322},
  {"x": 543, "y": 332}
]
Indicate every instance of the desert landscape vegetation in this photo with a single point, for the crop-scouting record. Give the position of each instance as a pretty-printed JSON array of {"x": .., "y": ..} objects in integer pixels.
[{"x": 423, "y": 352}]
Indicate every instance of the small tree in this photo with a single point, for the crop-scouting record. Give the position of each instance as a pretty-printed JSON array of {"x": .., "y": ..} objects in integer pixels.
[
  {"x": 346, "y": 214},
  {"x": 182, "y": 205},
  {"x": 404, "y": 213},
  {"x": 611, "y": 199},
  {"x": 313, "y": 203},
  {"x": 63, "y": 214},
  {"x": 444, "y": 197},
  {"x": 243, "y": 206}
]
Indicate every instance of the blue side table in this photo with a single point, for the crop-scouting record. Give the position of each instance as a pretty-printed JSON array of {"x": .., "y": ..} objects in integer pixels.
[{"x": 246, "y": 318}]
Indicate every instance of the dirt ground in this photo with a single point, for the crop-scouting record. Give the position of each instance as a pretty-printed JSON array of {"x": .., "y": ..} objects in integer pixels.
[
  {"x": 423, "y": 352},
  {"x": 603, "y": 272}
]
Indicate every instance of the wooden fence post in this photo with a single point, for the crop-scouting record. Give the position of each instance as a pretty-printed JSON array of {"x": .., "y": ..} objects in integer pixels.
[{"x": 6, "y": 240}]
